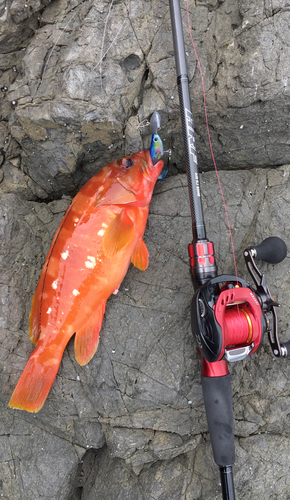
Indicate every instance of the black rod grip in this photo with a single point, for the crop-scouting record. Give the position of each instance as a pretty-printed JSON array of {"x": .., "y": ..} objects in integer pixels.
[{"x": 218, "y": 402}]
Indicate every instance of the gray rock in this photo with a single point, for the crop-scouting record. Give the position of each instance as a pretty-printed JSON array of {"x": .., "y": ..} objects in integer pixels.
[
  {"x": 132, "y": 421},
  {"x": 92, "y": 72},
  {"x": 131, "y": 424}
]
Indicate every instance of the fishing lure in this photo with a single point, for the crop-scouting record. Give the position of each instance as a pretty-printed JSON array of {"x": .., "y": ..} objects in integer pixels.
[
  {"x": 156, "y": 146},
  {"x": 100, "y": 235}
]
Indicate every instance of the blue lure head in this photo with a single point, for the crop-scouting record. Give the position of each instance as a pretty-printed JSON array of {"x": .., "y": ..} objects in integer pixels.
[
  {"x": 156, "y": 146},
  {"x": 156, "y": 153}
]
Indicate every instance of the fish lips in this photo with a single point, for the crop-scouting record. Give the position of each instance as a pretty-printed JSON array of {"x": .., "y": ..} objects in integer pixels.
[{"x": 153, "y": 169}]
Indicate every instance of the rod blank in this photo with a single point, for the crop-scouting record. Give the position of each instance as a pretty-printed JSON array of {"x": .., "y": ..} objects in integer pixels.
[{"x": 198, "y": 226}]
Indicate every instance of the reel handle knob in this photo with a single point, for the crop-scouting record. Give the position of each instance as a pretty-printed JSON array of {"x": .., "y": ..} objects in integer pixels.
[
  {"x": 286, "y": 349},
  {"x": 272, "y": 250}
]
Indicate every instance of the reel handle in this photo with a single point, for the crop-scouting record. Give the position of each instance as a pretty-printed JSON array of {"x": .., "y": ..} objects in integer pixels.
[{"x": 272, "y": 250}]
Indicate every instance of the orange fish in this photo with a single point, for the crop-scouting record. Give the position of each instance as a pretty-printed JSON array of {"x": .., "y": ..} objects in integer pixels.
[{"x": 100, "y": 234}]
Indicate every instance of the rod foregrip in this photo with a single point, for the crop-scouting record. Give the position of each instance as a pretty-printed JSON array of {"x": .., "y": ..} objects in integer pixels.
[{"x": 218, "y": 401}]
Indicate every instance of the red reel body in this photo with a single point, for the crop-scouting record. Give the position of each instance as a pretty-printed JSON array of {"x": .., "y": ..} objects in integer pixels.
[{"x": 228, "y": 322}]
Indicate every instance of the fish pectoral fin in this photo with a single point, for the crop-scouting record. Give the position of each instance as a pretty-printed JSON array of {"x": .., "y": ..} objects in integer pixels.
[
  {"x": 87, "y": 338},
  {"x": 140, "y": 256},
  {"x": 118, "y": 234}
]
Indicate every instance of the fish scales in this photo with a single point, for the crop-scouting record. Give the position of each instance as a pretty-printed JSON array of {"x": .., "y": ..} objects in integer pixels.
[{"x": 100, "y": 234}]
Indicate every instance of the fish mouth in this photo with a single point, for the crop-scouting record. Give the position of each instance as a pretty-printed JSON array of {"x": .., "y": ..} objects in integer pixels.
[
  {"x": 144, "y": 168},
  {"x": 149, "y": 166}
]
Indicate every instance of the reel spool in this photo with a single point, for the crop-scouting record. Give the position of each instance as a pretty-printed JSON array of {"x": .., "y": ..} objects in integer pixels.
[{"x": 228, "y": 322}]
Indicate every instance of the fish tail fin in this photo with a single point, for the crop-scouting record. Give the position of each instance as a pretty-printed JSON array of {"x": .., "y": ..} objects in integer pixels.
[
  {"x": 87, "y": 338},
  {"x": 34, "y": 384}
]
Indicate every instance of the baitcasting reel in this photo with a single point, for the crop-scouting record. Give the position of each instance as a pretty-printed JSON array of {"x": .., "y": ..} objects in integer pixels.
[{"x": 229, "y": 317}]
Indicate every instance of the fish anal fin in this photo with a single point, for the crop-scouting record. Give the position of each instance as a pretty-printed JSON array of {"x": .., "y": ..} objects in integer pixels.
[
  {"x": 140, "y": 256},
  {"x": 118, "y": 234},
  {"x": 87, "y": 338}
]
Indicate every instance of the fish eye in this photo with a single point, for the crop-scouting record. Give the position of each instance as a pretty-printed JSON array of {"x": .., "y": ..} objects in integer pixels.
[
  {"x": 125, "y": 162},
  {"x": 155, "y": 139},
  {"x": 129, "y": 163}
]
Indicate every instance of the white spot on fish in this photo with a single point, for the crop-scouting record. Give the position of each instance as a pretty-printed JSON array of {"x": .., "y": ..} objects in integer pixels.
[
  {"x": 104, "y": 224},
  {"x": 48, "y": 310},
  {"x": 101, "y": 188},
  {"x": 76, "y": 219},
  {"x": 90, "y": 263},
  {"x": 76, "y": 292},
  {"x": 54, "y": 284},
  {"x": 50, "y": 362},
  {"x": 101, "y": 232},
  {"x": 64, "y": 255},
  {"x": 115, "y": 291}
]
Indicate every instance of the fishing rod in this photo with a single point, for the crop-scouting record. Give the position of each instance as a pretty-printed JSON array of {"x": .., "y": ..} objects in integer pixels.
[{"x": 228, "y": 317}]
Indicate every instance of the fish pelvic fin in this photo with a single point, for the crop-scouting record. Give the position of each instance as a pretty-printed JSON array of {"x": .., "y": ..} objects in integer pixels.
[
  {"x": 118, "y": 234},
  {"x": 140, "y": 256},
  {"x": 87, "y": 338},
  {"x": 34, "y": 384}
]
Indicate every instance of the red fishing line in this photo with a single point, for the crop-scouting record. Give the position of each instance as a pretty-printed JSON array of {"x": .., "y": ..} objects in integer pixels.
[
  {"x": 238, "y": 326},
  {"x": 210, "y": 144}
]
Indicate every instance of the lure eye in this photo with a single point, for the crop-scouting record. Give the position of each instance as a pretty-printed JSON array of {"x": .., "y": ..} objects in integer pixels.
[{"x": 155, "y": 139}]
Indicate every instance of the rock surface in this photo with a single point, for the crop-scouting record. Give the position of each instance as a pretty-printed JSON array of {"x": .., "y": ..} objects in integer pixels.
[
  {"x": 77, "y": 79},
  {"x": 131, "y": 423}
]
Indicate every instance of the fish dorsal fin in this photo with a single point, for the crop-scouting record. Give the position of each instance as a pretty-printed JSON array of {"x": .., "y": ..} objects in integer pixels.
[
  {"x": 140, "y": 256},
  {"x": 118, "y": 234},
  {"x": 87, "y": 338}
]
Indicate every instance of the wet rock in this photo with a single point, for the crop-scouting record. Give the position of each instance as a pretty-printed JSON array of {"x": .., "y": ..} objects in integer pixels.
[
  {"x": 92, "y": 72},
  {"x": 135, "y": 413},
  {"x": 131, "y": 424}
]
